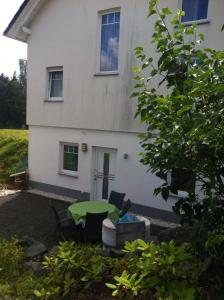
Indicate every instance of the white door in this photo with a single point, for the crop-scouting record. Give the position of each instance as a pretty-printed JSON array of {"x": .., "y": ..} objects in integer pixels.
[{"x": 104, "y": 172}]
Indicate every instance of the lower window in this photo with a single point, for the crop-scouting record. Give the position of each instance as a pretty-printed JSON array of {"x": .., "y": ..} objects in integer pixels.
[
  {"x": 69, "y": 158},
  {"x": 183, "y": 180}
]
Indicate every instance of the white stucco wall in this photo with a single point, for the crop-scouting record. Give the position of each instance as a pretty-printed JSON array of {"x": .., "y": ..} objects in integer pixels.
[
  {"x": 96, "y": 110},
  {"x": 131, "y": 175},
  {"x": 66, "y": 33}
]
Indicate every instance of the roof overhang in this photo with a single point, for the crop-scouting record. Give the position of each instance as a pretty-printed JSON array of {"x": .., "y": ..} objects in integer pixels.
[{"x": 18, "y": 28}]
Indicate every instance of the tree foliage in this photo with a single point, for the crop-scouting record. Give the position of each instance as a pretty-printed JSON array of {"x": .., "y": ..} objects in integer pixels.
[
  {"x": 184, "y": 114},
  {"x": 13, "y": 99}
]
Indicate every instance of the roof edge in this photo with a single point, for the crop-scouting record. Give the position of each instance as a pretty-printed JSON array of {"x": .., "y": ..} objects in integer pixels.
[{"x": 16, "y": 16}]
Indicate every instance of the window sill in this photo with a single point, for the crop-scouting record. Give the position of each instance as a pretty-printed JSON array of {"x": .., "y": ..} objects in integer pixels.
[
  {"x": 54, "y": 100},
  {"x": 198, "y": 22},
  {"x": 181, "y": 194},
  {"x": 70, "y": 174},
  {"x": 106, "y": 74}
]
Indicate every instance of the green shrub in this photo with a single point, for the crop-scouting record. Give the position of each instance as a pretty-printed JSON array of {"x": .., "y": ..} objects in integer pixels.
[
  {"x": 6, "y": 291},
  {"x": 211, "y": 277},
  {"x": 26, "y": 284},
  {"x": 75, "y": 267},
  {"x": 11, "y": 258},
  {"x": 158, "y": 271}
]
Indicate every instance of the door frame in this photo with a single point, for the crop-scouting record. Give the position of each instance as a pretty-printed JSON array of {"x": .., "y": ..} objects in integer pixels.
[{"x": 94, "y": 162}]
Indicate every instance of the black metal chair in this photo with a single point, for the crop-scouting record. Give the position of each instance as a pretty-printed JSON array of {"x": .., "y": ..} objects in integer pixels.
[
  {"x": 116, "y": 199},
  {"x": 65, "y": 225},
  {"x": 127, "y": 205},
  {"x": 93, "y": 227}
]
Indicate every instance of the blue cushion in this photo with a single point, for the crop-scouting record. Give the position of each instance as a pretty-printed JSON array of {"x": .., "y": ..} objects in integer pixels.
[{"x": 127, "y": 218}]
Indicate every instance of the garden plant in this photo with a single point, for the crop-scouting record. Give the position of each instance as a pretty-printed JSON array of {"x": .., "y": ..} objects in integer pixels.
[{"x": 181, "y": 102}]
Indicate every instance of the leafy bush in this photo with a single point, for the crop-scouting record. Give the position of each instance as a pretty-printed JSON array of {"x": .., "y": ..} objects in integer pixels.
[
  {"x": 25, "y": 285},
  {"x": 75, "y": 267},
  {"x": 11, "y": 258},
  {"x": 211, "y": 277},
  {"x": 180, "y": 101},
  {"x": 158, "y": 271}
]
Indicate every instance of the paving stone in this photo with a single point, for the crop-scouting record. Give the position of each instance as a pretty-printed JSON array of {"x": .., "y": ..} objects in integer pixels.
[
  {"x": 33, "y": 266},
  {"x": 36, "y": 249}
]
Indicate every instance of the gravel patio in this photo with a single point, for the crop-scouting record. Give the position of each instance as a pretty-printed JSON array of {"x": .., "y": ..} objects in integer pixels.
[{"x": 25, "y": 214}]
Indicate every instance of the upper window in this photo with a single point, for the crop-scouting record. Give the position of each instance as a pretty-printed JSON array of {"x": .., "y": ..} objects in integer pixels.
[
  {"x": 69, "y": 158},
  {"x": 110, "y": 33},
  {"x": 55, "y": 86},
  {"x": 194, "y": 10}
]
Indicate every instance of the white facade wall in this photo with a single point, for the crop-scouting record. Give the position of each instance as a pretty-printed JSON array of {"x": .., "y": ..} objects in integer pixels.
[
  {"x": 131, "y": 176},
  {"x": 96, "y": 110},
  {"x": 66, "y": 33}
]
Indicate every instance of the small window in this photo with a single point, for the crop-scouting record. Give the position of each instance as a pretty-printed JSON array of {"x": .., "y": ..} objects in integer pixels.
[
  {"x": 194, "y": 10},
  {"x": 69, "y": 158},
  {"x": 55, "y": 84},
  {"x": 110, "y": 33}
]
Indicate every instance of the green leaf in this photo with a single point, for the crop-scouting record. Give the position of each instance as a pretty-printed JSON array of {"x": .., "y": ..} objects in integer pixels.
[
  {"x": 145, "y": 65},
  {"x": 111, "y": 286},
  {"x": 37, "y": 293},
  {"x": 184, "y": 109},
  {"x": 154, "y": 72},
  {"x": 136, "y": 69},
  {"x": 152, "y": 7},
  {"x": 201, "y": 36},
  {"x": 115, "y": 293},
  {"x": 165, "y": 193},
  {"x": 166, "y": 11}
]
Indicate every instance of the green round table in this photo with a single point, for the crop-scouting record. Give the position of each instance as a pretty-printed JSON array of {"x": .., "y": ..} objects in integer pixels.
[{"x": 79, "y": 210}]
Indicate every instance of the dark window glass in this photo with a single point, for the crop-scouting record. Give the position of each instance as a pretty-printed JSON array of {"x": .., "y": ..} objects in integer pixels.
[
  {"x": 183, "y": 180},
  {"x": 106, "y": 166},
  {"x": 55, "y": 84},
  {"x": 194, "y": 10},
  {"x": 70, "y": 158}
]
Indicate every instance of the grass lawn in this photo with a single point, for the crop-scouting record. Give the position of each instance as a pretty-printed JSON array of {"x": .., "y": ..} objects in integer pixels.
[
  {"x": 13, "y": 148},
  {"x": 14, "y": 133}
]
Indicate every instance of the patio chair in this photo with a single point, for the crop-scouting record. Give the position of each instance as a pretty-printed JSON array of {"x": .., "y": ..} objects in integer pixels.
[
  {"x": 93, "y": 227},
  {"x": 116, "y": 199},
  {"x": 65, "y": 225},
  {"x": 127, "y": 205}
]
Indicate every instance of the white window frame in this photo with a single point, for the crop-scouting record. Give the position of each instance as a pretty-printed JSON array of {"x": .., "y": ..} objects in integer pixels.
[
  {"x": 63, "y": 171},
  {"x": 198, "y": 21},
  {"x": 98, "y": 61},
  {"x": 51, "y": 70}
]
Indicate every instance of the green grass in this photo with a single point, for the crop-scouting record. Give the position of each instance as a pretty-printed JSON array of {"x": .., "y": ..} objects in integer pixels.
[
  {"x": 18, "y": 134},
  {"x": 13, "y": 148}
]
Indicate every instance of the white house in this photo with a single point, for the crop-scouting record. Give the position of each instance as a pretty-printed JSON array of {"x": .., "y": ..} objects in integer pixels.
[{"x": 83, "y": 135}]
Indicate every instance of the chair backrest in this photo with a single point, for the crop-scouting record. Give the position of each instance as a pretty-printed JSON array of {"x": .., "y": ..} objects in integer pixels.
[
  {"x": 116, "y": 199},
  {"x": 93, "y": 226},
  {"x": 126, "y": 208}
]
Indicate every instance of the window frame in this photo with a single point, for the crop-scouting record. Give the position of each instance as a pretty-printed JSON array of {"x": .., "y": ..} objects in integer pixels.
[
  {"x": 98, "y": 61},
  {"x": 198, "y": 21},
  {"x": 48, "y": 91},
  {"x": 63, "y": 171}
]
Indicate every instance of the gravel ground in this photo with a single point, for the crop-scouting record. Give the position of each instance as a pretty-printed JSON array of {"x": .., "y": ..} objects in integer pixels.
[{"x": 27, "y": 214}]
